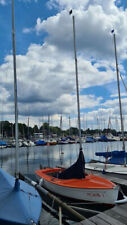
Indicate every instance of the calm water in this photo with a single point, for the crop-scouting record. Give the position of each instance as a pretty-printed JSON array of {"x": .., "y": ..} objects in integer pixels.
[{"x": 31, "y": 158}]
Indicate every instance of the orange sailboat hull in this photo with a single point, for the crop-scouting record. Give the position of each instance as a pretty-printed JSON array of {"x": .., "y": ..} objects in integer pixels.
[{"x": 91, "y": 188}]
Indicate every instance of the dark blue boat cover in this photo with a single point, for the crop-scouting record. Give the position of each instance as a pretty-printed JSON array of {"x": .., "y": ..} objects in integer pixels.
[
  {"x": 3, "y": 143},
  {"x": 111, "y": 154},
  {"x": 117, "y": 160},
  {"x": 77, "y": 170},
  {"x": 116, "y": 157},
  {"x": 18, "y": 206},
  {"x": 40, "y": 142},
  {"x": 90, "y": 139},
  {"x": 103, "y": 138}
]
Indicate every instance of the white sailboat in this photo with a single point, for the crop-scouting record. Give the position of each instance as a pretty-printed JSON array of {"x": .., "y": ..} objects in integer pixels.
[
  {"x": 113, "y": 165},
  {"x": 20, "y": 203},
  {"x": 73, "y": 182}
]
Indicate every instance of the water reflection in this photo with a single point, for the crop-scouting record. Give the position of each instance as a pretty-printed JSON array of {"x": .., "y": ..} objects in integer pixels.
[{"x": 32, "y": 158}]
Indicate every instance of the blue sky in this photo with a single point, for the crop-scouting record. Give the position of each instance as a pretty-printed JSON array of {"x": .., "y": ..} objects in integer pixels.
[
  {"x": 45, "y": 60},
  {"x": 26, "y": 13}
]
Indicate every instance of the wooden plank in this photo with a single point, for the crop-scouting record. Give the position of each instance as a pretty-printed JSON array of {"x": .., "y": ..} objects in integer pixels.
[
  {"x": 121, "y": 210},
  {"x": 119, "y": 213},
  {"x": 114, "y": 216},
  {"x": 109, "y": 219},
  {"x": 122, "y": 206},
  {"x": 99, "y": 221},
  {"x": 85, "y": 222}
]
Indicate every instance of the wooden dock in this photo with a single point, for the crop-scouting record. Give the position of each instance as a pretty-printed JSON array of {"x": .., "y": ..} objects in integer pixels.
[{"x": 114, "y": 216}]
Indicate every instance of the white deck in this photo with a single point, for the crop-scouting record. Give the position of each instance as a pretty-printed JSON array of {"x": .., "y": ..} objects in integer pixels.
[{"x": 109, "y": 168}]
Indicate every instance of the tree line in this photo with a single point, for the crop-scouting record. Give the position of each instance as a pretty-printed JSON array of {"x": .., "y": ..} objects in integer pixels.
[{"x": 7, "y": 129}]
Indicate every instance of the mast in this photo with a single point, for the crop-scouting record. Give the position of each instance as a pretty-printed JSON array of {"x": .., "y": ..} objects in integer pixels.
[
  {"x": 118, "y": 84},
  {"x": 69, "y": 126},
  {"x": 61, "y": 126},
  {"x": 48, "y": 127},
  {"x": 77, "y": 85},
  {"x": 28, "y": 133},
  {"x": 15, "y": 95}
]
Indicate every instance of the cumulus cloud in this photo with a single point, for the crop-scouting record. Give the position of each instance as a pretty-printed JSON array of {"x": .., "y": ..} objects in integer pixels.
[
  {"x": 46, "y": 73},
  {"x": 67, "y": 4},
  {"x": 46, "y": 81},
  {"x": 94, "y": 22},
  {"x": 2, "y": 2}
]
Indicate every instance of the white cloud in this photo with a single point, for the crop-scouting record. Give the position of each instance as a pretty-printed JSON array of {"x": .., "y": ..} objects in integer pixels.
[
  {"x": 123, "y": 94},
  {"x": 46, "y": 81},
  {"x": 94, "y": 21},
  {"x": 73, "y": 4},
  {"x": 46, "y": 74},
  {"x": 70, "y": 4},
  {"x": 2, "y": 2},
  {"x": 29, "y": 1},
  {"x": 28, "y": 30}
]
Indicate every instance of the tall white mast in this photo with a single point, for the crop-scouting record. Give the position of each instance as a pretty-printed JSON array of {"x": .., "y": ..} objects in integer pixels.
[
  {"x": 77, "y": 85},
  {"x": 118, "y": 84},
  {"x": 15, "y": 95}
]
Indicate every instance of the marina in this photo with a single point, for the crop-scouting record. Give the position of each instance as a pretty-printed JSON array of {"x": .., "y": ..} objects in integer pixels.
[
  {"x": 32, "y": 158},
  {"x": 68, "y": 165}
]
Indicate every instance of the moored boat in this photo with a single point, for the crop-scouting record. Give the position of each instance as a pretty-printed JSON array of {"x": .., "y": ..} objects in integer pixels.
[
  {"x": 75, "y": 184},
  {"x": 20, "y": 203}
]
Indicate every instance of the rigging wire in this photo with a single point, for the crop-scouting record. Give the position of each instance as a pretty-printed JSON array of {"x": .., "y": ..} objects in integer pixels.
[{"x": 123, "y": 82}]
